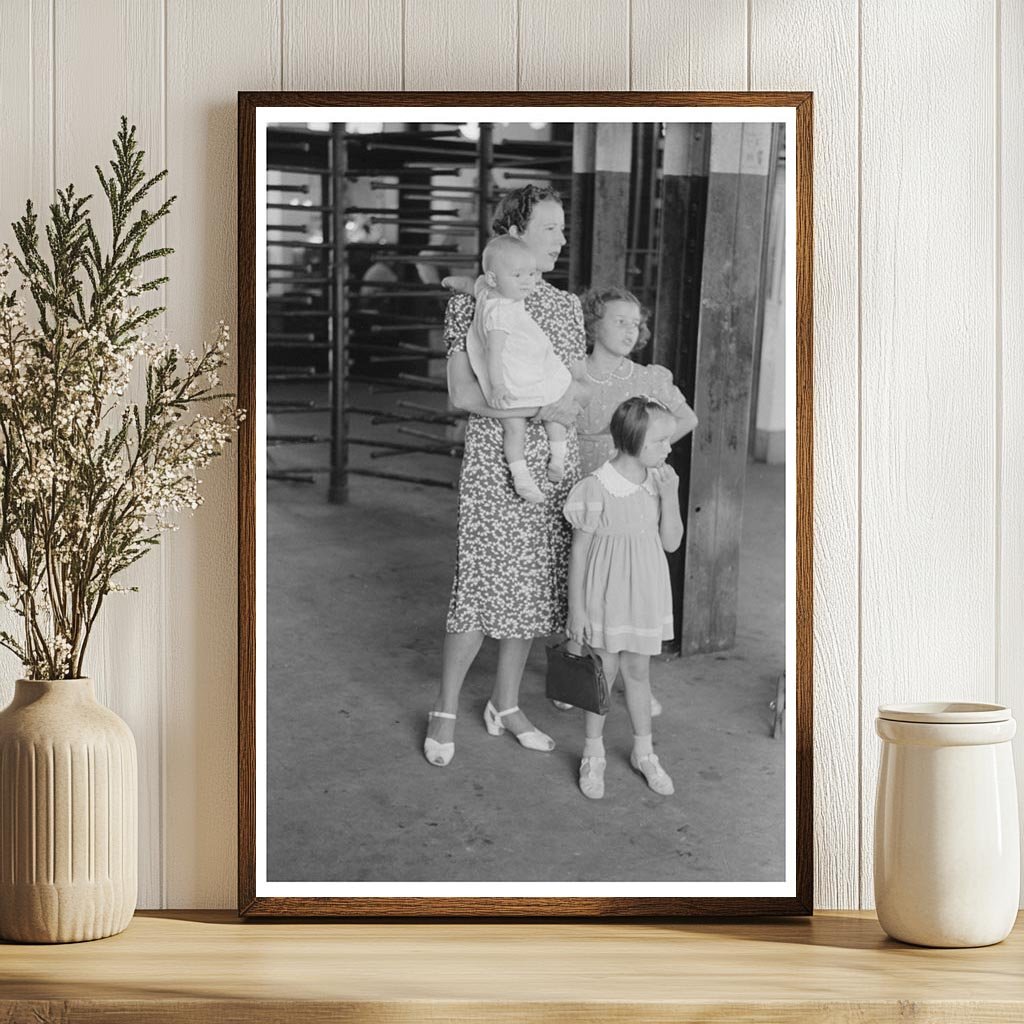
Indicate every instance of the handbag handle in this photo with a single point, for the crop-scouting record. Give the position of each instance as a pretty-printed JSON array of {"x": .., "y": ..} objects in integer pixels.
[
  {"x": 583, "y": 643},
  {"x": 587, "y": 649}
]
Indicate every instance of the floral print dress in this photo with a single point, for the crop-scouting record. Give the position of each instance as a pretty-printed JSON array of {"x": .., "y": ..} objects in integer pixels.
[
  {"x": 629, "y": 380},
  {"x": 512, "y": 563}
]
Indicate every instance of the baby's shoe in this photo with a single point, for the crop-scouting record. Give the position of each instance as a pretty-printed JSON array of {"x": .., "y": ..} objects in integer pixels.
[
  {"x": 657, "y": 778},
  {"x": 592, "y": 777},
  {"x": 524, "y": 483},
  {"x": 556, "y": 471},
  {"x": 529, "y": 491}
]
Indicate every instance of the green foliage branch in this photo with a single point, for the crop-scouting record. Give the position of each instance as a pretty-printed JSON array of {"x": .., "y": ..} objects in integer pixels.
[{"x": 90, "y": 471}]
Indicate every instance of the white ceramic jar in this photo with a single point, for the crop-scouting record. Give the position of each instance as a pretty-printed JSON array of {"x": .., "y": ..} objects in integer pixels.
[{"x": 947, "y": 847}]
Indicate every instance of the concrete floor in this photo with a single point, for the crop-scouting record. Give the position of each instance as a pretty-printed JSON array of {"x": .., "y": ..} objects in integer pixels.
[{"x": 357, "y": 596}]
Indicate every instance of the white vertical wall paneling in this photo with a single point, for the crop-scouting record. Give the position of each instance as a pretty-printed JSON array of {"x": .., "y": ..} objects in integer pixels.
[
  {"x": 1010, "y": 212},
  {"x": 831, "y": 73},
  {"x": 213, "y": 51},
  {"x": 122, "y": 656},
  {"x": 938, "y": 618},
  {"x": 26, "y": 72},
  {"x": 26, "y": 171},
  {"x": 573, "y": 44},
  {"x": 928, "y": 414},
  {"x": 700, "y": 44},
  {"x": 348, "y": 44},
  {"x": 468, "y": 45}
]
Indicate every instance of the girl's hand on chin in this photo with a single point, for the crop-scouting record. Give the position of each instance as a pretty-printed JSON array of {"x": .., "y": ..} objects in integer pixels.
[{"x": 666, "y": 479}]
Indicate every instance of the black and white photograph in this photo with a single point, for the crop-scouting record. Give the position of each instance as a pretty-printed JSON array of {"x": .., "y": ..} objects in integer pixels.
[{"x": 524, "y": 503}]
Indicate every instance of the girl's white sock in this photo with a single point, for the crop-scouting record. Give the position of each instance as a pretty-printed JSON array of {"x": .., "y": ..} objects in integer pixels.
[
  {"x": 558, "y": 449},
  {"x": 643, "y": 745},
  {"x": 593, "y": 747}
]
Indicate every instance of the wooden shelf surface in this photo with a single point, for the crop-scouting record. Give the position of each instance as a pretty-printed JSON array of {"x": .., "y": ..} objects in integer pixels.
[{"x": 199, "y": 966}]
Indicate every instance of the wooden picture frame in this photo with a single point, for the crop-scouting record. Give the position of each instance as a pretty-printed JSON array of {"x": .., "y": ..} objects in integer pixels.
[{"x": 793, "y": 893}]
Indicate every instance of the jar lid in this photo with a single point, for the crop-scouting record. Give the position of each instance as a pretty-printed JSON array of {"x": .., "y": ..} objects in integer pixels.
[{"x": 945, "y": 712}]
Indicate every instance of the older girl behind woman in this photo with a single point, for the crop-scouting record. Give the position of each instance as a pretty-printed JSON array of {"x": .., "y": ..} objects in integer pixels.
[
  {"x": 512, "y": 561},
  {"x": 616, "y": 327}
]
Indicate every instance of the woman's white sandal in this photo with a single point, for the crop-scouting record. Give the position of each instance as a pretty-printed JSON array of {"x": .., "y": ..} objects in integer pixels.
[
  {"x": 532, "y": 739},
  {"x": 657, "y": 778},
  {"x": 439, "y": 754},
  {"x": 592, "y": 777}
]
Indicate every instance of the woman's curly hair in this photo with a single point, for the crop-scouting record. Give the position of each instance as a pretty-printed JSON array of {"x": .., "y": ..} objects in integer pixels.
[
  {"x": 516, "y": 207},
  {"x": 594, "y": 302}
]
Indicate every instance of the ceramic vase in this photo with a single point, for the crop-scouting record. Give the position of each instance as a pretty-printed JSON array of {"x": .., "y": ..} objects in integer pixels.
[
  {"x": 68, "y": 815},
  {"x": 947, "y": 847}
]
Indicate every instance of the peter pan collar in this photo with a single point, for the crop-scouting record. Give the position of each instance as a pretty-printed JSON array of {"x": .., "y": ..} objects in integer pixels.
[{"x": 617, "y": 485}]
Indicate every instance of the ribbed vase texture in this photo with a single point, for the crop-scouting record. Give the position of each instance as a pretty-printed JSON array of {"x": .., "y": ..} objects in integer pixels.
[{"x": 68, "y": 815}]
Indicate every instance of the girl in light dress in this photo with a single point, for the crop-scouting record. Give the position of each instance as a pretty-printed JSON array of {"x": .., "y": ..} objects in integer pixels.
[
  {"x": 616, "y": 326},
  {"x": 625, "y": 516}
]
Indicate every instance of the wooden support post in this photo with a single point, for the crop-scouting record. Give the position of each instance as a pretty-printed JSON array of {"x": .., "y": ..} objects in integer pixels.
[
  {"x": 779, "y": 231},
  {"x": 737, "y": 204},
  {"x": 613, "y": 153},
  {"x": 680, "y": 255},
  {"x": 641, "y": 265},
  {"x": 581, "y": 234},
  {"x": 337, "y": 484},
  {"x": 484, "y": 166}
]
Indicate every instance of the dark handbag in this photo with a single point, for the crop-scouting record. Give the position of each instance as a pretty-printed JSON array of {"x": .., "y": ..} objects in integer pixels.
[{"x": 577, "y": 679}]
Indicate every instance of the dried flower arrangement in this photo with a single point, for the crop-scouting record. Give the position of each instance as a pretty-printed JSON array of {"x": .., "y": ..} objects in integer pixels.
[{"x": 88, "y": 477}]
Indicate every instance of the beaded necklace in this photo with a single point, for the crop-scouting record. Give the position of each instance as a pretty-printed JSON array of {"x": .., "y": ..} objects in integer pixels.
[{"x": 613, "y": 374}]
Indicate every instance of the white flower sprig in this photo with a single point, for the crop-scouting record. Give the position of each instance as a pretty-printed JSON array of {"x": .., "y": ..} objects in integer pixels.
[{"x": 89, "y": 478}]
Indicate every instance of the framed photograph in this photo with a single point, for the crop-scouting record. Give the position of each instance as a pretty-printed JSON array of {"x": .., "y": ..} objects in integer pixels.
[{"x": 528, "y": 380}]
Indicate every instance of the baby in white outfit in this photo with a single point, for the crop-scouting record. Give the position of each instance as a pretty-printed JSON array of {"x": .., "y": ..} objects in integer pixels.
[{"x": 512, "y": 357}]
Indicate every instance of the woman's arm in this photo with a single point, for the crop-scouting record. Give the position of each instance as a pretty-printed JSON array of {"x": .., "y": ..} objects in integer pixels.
[
  {"x": 466, "y": 395},
  {"x": 577, "y": 565},
  {"x": 565, "y": 409}
]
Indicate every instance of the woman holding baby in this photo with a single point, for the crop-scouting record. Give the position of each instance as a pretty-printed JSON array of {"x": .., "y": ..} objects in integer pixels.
[
  {"x": 512, "y": 565},
  {"x": 513, "y": 555}
]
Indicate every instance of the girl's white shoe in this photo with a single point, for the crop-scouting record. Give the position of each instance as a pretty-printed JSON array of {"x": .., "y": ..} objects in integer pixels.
[
  {"x": 592, "y": 777},
  {"x": 532, "y": 739},
  {"x": 657, "y": 778},
  {"x": 440, "y": 754}
]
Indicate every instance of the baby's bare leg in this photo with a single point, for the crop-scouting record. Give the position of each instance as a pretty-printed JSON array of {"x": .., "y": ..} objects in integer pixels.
[
  {"x": 557, "y": 444},
  {"x": 514, "y": 444}
]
